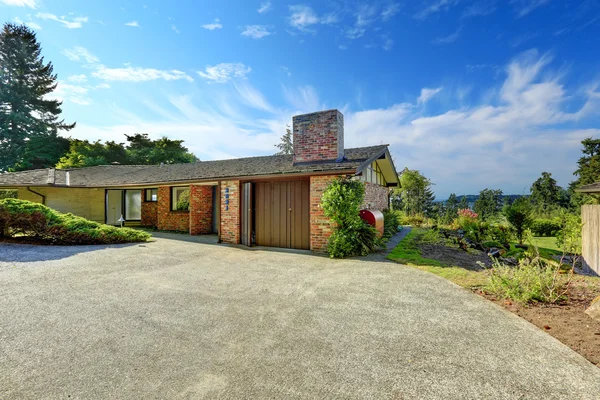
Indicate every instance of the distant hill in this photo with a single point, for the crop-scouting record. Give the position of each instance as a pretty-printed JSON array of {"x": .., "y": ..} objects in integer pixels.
[{"x": 472, "y": 197}]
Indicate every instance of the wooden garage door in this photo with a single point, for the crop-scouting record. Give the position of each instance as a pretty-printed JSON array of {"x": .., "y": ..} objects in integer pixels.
[{"x": 282, "y": 214}]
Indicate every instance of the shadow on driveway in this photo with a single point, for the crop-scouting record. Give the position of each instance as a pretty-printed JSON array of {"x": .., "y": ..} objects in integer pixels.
[{"x": 14, "y": 252}]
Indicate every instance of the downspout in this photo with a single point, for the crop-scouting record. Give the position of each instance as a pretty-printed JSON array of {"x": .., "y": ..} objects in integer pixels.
[{"x": 39, "y": 194}]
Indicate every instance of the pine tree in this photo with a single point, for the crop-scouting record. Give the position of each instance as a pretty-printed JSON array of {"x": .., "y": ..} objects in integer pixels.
[
  {"x": 286, "y": 145},
  {"x": 25, "y": 83}
]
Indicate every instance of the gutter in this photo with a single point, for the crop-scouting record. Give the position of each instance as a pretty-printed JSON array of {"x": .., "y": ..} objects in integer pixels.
[{"x": 39, "y": 194}]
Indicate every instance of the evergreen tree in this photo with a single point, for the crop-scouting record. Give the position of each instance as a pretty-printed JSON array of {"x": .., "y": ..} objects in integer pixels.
[
  {"x": 488, "y": 204},
  {"x": 42, "y": 152},
  {"x": 416, "y": 194},
  {"x": 25, "y": 82},
  {"x": 286, "y": 144},
  {"x": 464, "y": 203},
  {"x": 588, "y": 172},
  {"x": 545, "y": 193},
  {"x": 451, "y": 209}
]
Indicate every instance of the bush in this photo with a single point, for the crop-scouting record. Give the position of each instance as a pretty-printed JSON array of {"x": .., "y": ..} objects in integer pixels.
[
  {"x": 518, "y": 215},
  {"x": 8, "y": 194},
  {"x": 532, "y": 280},
  {"x": 352, "y": 236},
  {"x": 390, "y": 224},
  {"x": 22, "y": 217},
  {"x": 416, "y": 221},
  {"x": 545, "y": 227},
  {"x": 568, "y": 238}
]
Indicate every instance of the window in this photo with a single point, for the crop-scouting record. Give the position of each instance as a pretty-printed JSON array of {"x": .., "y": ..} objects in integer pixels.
[
  {"x": 133, "y": 205},
  {"x": 373, "y": 174},
  {"x": 151, "y": 195},
  {"x": 180, "y": 198}
]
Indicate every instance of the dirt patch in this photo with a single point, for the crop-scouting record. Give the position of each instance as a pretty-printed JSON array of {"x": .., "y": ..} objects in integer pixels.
[
  {"x": 567, "y": 322},
  {"x": 454, "y": 256}
]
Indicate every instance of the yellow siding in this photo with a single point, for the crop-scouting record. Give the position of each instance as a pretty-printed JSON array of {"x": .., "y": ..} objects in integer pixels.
[{"x": 87, "y": 203}]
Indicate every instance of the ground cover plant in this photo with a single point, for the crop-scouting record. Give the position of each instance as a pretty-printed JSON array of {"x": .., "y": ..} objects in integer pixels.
[{"x": 34, "y": 221}]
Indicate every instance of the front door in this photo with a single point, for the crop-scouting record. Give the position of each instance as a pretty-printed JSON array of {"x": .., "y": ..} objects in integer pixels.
[
  {"x": 114, "y": 206},
  {"x": 282, "y": 214}
]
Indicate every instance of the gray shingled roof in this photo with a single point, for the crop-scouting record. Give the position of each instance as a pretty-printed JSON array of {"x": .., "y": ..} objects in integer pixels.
[
  {"x": 591, "y": 188},
  {"x": 117, "y": 175}
]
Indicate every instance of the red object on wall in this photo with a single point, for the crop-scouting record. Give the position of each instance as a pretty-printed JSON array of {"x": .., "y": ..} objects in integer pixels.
[{"x": 373, "y": 218}]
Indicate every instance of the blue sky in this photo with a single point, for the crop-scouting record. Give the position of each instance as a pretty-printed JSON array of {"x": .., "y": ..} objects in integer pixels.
[{"x": 474, "y": 94}]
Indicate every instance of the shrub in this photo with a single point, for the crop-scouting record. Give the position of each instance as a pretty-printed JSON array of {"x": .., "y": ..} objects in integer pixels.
[
  {"x": 532, "y": 280},
  {"x": 390, "y": 224},
  {"x": 518, "y": 215},
  {"x": 352, "y": 236},
  {"x": 8, "y": 194},
  {"x": 22, "y": 217},
  {"x": 414, "y": 220},
  {"x": 545, "y": 227},
  {"x": 568, "y": 238}
]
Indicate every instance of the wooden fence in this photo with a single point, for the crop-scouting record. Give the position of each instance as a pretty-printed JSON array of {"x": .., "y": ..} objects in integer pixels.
[{"x": 590, "y": 238}]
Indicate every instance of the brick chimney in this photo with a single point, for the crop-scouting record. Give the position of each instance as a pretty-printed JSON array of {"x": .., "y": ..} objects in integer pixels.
[{"x": 318, "y": 136}]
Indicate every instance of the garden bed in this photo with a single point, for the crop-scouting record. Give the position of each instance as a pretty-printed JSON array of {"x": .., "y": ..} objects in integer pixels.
[{"x": 566, "y": 321}]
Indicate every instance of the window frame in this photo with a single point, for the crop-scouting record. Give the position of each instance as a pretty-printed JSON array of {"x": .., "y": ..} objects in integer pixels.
[
  {"x": 172, "y": 196},
  {"x": 146, "y": 195}
]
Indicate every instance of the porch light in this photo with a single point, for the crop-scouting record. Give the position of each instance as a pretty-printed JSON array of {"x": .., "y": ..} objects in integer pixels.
[{"x": 121, "y": 220}]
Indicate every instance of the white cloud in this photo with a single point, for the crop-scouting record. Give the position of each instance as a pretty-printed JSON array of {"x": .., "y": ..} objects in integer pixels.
[
  {"x": 216, "y": 24},
  {"x": 256, "y": 31},
  {"x": 80, "y": 54},
  {"x": 302, "y": 17},
  {"x": 303, "y": 99},
  {"x": 175, "y": 29},
  {"x": 20, "y": 3},
  {"x": 68, "y": 22},
  {"x": 390, "y": 11},
  {"x": 133, "y": 24},
  {"x": 435, "y": 7},
  {"x": 524, "y": 7},
  {"x": 224, "y": 72},
  {"x": 77, "y": 78},
  {"x": 451, "y": 38},
  {"x": 252, "y": 97},
  {"x": 264, "y": 7},
  {"x": 136, "y": 74},
  {"x": 427, "y": 94},
  {"x": 71, "y": 93},
  {"x": 29, "y": 24}
]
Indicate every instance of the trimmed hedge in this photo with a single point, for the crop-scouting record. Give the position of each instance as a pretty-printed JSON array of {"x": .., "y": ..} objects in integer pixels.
[
  {"x": 22, "y": 217},
  {"x": 545, "y": 227}
]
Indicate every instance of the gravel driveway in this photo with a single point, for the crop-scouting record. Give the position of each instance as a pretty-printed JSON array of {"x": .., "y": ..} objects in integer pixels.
[{"x": 182, "y": 320}]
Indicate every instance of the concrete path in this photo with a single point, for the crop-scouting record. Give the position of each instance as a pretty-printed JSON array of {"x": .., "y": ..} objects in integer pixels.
[{"x": 180, "y": 320}]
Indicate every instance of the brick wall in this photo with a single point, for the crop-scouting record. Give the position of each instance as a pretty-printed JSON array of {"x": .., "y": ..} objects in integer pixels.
[
  {"x": 86, "y": 203},
  {"x": 149, "y": 213},
  {"x": 376, "y": 197},
  {"x": 170, "y": 220},
  {"x": 201, "y": 210},
  {"x": 318, "y": 136},
  {"x": 230, "y": 218},
  {"x": 321, "y": 227}
]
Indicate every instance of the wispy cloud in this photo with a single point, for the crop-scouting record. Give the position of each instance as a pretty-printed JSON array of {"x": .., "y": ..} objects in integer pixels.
[
  {"x": 224, "y": 72},
  {"x": 80, "y": 54},
  {"x": 256, "y": 31},
  {"x": 20, "y": 3},
  {"x": 175, "y": 29},
  {"x": 389, "y": 11},
  {"x": 216, "y": 24},
  {"x": 434, "y": 7},
  {"x": 133, "y": 24},
  {"x": 264, "y": 7},
  {"x": 77, "y": 78},
  {"x": 453, "y": 37},
  {"x": 303, "y": 98},
  {"x": 67, "y": 22},
  {"x": 427, "y": 94},
  {"x": 136, "y": 74},
  {"x": 479, "y": 8},
  {"x": 29, "y": 24},
  {"x": 524, "y": 7},
  {"x": 302, "y": 18}
]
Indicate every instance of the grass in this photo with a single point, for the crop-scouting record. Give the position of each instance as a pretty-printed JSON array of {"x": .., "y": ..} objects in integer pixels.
[
  {"x": 407, "y": 252},
  {"x": 546, "y": 245}
]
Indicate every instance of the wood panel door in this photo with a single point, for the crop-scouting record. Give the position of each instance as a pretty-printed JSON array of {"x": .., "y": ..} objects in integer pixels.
[{"x": 282, "y": 214}]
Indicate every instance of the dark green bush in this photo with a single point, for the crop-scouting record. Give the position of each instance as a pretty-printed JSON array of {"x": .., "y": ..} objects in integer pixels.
[
  {"x": 351, "y": 236},
  {"x": 8, "y": 194},
  {"x": 22, "y": 217},
  {"x": 545, "y": 227},
  {"x": 390, "y": 224}
]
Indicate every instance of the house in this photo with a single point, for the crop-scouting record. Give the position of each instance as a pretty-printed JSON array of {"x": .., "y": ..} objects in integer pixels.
[
  {"x": 590, "y": 231},
  {"x": 268, "y": 201}
]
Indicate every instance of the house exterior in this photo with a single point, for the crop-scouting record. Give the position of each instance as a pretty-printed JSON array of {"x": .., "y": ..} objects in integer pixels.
[
  {"x": 268, "y": 201},
  {"x": 590, "y": 231}
]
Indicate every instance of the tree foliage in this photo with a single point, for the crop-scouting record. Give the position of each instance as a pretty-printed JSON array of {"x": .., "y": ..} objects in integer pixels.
[
  {"x": 588, "y": 172},
  {"x": 519, "y": 215},
  {"x": 415, "y": 196},
  {"x": 546, "y": 195},
  {"x": 488, "y": 204},
  {"x": 286, "y": 144},
  {"x": 26, "y": 81},
  {"x": 140, "y": 150}
]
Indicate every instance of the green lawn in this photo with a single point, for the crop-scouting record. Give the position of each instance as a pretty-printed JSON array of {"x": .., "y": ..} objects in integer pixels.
[
  {"x": 407, "y": 252},
  {"x": 546, "y": 246}
]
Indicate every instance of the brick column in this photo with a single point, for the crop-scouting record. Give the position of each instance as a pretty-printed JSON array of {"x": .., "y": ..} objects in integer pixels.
[
  {"x": 201, "y": 210},
  {"x": 230, "y": 213},
  {"x": 321, "y": 227}
]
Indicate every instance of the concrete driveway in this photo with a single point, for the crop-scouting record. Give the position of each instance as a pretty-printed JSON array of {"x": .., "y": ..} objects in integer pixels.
[{"x": 175, "y": 319}]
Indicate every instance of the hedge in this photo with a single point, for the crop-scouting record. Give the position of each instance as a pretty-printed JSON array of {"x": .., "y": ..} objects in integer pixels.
[{"x": 34, "y": 220}]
